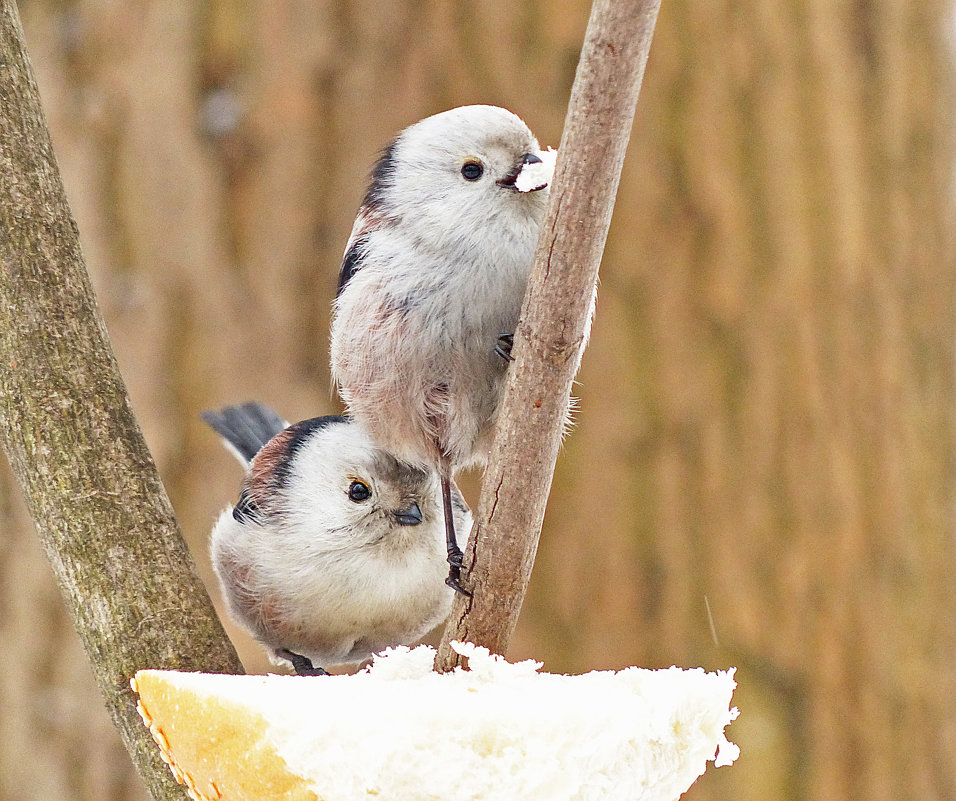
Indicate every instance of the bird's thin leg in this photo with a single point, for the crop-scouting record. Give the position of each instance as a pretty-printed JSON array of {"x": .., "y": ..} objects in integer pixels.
[
  {"x": 504, "y": 345},
  {"x": 454, "y": 552},
  {"x": 302, "y": 664}
]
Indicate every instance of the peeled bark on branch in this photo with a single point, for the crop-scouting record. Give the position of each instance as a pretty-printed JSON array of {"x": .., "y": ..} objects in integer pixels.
[
  {"x": 553, "y": 328},
  {"x": 71, "y": 438}
]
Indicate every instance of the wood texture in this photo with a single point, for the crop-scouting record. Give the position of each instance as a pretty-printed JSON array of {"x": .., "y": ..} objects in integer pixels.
[
  {"x": 69, "y": 433},
  {"x": 553, "y": 329}
]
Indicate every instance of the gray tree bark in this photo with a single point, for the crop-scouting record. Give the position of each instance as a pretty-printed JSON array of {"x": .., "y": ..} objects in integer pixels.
[
  {"x": 554, "y": 325},
  {"x": 69, "y": 433}
]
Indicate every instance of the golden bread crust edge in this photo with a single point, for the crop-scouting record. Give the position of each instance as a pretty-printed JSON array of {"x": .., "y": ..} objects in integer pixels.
[{"x": 218, "y": 749}]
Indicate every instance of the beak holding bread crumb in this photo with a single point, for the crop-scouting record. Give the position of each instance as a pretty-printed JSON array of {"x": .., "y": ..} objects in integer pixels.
[{"x": 537, "y": 175}]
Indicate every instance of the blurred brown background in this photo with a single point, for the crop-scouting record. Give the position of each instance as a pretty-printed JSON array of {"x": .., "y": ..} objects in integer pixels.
[{"x": 763, "y": 467}]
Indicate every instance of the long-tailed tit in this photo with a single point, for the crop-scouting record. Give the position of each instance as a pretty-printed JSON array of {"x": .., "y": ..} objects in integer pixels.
[
  {"x": 335, "y": 550},
  {"x": 431, "y": 287}
]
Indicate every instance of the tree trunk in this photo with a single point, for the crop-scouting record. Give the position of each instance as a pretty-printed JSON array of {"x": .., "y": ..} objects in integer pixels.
[{"x": 69, "y": 433}]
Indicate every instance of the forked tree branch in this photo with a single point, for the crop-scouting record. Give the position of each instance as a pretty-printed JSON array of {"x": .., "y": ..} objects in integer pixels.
[
  {"x": 73, "y": 443},
  {"x": 554, "y": 323}
]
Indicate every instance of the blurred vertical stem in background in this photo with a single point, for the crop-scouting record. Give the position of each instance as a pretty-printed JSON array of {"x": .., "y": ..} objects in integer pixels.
[
  {"x": 553, "y": 328},
  {"x": 71, "y": 438}
]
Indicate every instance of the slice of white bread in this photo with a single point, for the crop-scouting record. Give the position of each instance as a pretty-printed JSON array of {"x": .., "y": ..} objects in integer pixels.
[{"x": 398, "y": 731}]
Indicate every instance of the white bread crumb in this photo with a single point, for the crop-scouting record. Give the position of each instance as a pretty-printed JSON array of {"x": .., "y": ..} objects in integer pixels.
[{"x": 538, "y": 175}]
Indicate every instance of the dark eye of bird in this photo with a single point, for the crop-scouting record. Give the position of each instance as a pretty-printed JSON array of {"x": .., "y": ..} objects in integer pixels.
[
  {"x": 359, "y": 491},
  {"x": 472, "y": 170}
]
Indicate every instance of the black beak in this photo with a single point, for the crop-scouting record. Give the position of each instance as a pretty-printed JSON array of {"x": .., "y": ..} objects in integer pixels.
[
  {"x": 411, "y": 516},
  {"x": 508, "y": 182}
]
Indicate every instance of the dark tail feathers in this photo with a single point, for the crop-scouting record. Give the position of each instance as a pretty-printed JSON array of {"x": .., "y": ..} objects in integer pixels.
[{"x": 245, "y": 427}]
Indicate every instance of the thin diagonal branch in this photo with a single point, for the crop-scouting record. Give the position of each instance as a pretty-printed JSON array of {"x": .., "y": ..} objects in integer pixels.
[{"x": 554, "y": 325}]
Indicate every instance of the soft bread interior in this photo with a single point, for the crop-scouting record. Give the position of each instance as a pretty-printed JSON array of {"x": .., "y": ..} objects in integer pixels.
[{"x": 400, "y": 731}]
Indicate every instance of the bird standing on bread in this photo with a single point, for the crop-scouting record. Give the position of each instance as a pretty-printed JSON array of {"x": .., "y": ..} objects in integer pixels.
[{"x": 335, "y": 550}]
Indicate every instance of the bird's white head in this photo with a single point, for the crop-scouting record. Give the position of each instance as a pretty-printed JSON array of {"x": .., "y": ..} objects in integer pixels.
[
  {"x": 458, "y": 171},
  {"x": 327, "y": 479}
]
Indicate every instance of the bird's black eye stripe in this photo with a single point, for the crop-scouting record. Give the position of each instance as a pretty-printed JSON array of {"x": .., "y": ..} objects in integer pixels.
[
  {"x": 472, "y": 170},
  {"x": 351, "y": 262},
  {"x": 359, "y": 491},
  {"x": 246, "y": 510}
]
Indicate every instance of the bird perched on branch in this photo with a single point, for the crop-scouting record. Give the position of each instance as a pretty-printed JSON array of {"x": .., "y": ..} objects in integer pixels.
[
  {"x": 335, "y": 550},
  {"x": 431, "y": 287}
]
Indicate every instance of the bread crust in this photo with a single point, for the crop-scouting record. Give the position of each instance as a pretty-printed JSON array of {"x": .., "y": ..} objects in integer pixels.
[{"x": 243, "y": 765}]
